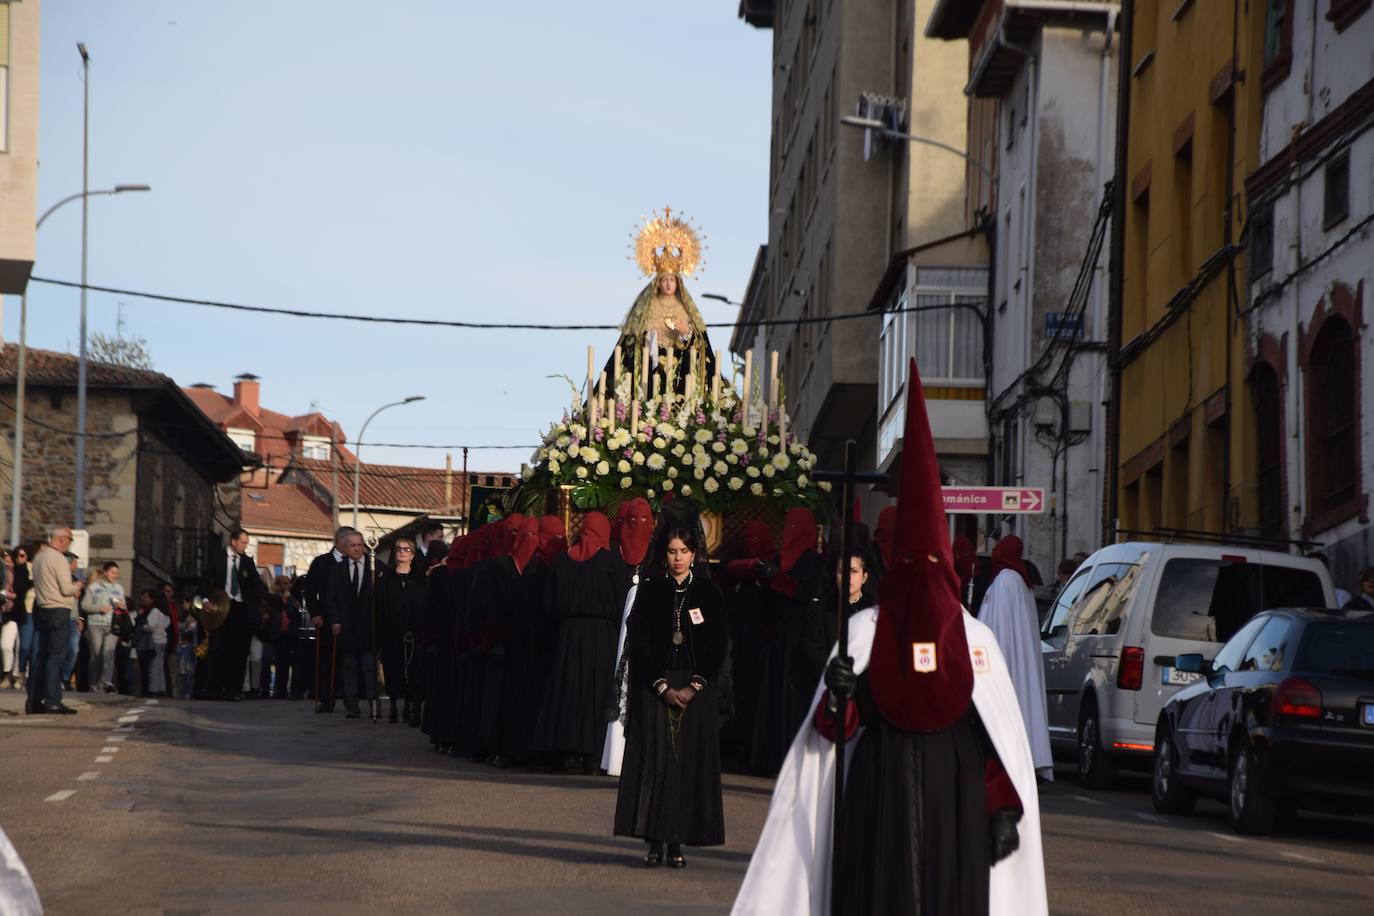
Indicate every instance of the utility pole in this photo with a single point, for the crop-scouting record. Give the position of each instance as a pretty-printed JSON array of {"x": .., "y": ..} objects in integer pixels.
[{"x": 79, "y": 516}]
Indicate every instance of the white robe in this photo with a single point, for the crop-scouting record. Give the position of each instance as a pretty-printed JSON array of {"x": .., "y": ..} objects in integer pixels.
[
  {"x": 18, "y": 896},
  {"x": 1009, "y": 611},
  {"x": 790, "y": 869},
  {"x": 614, "y": 753}
]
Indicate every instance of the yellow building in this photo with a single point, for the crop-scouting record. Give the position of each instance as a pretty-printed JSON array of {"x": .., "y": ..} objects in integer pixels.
[
  {"x": 1181, "y": 449},
  {"x": 18, "y": 142}
]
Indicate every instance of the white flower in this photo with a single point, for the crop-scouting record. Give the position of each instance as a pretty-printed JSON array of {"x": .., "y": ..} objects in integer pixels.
[
  {"x": 623, "y": 466},
  {"x": 802, "y": 480},
  {"x": 665, "y": 430},
  {"x": 656, "y": 462},
  {"x": 626, "y": 483},
  {"x": 686, "y": 489},
  {"x": 739, "y": 446},
  {"x": 679, "y": 435},
  {"x": 679, "y": 450},
  {"x": 698, "y": 449},
  {"x": 563, "y": 442},
  {"x": 711, "y": 485},
  {"x": 756, "y": 488},
  {"x": 720, "y": 467},
  {"x": 590, "y": 455},
  {"x": 554, "y": 467},
  {"x": 672, "y": 472},
  {"x": 777, "y": 491},
  {"x": 718, "y": 447},
  {"x": 581, "y": 472},
  {"x": 667, "y": 485},
  {"x": 824, "y": 485},
  {"x": 763, "y": 451},
  {"x": 752, "y": 470},
  {"x": 688, "y": 460},
  {"x": 736, "y": 483},
  {"x": 769, "y": 470},
  {"x": 649, "y": 493},
  {"x": 702, "y": 436},
  {"x": 639, "y": 458},
  {"x": 578, "y": 431},
  {"x": 748, "y": 432},
  {"x": 602, "y": 469},
  {"x": 781, "y": 461},
  {"x": 660, "y": 443},
  {"x": 556, "y": 455},
  {"x": 699, "y": 473},
  {"x": 795, "y": 448},
  {"x": 732, "y": 458},
  {"x": 773, "y": 439},
  {"x": 701, "y": 461}
]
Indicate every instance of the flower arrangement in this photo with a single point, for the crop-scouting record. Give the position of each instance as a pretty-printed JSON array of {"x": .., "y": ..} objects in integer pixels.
[{"x": 703, "y": 448}]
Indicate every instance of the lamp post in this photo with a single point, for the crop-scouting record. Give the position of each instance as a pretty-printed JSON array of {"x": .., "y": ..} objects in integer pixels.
[
  {"x": 358, "y": 456},
  {"x": 18, "y": 482},
  {"x": 888, "y": 133}
]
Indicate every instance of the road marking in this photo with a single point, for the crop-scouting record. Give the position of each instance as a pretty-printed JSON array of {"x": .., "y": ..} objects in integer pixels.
[
  {"x": 138, "y": 710},
  {"x": 104, "y": 758},
  {"x": 108, "y": 750},
  {"x": 1086, "y": 800},
  {"x": 1299, "y": 857},
  {"x": 1152, "y": 818},
  {"x": 117, "y": 738},
  {"x": 88, "y": 776},
  {"x": 1229, "y": 837},
  {"x": 151, "y": 702},
  {"x": 68, "y": 793},
  {"x": 127, "y": 719}
]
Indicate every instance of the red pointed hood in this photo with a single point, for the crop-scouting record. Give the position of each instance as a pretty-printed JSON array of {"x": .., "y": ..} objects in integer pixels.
[
  {"x": 526, "y": 543},
  {"x": 965, "y": 561},
  {"x": 758, "y": 541},
  {"x": 798, "y": 536},
  {"x": 1007, "y": 555},
  {"x": 636, "y": 530},
  {"x": 458, "y": 553},
  {"x": 553, "y": 538},
  {"x": 920, "y": 673},
  {"x": 882, "y": 534},
  {"x": 595, "y": 536}
]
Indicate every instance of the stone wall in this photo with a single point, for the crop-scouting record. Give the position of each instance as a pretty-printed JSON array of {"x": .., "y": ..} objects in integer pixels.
[{"x": 176, "y": 515}]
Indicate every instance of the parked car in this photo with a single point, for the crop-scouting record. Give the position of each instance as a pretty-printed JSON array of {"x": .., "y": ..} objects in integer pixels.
[
  {"x": 1110, "y": 640},
  {"x": 1283, "y": 719}
]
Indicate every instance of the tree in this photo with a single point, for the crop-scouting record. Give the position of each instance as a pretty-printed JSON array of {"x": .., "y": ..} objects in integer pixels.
[{"x": 131, "y": 352}]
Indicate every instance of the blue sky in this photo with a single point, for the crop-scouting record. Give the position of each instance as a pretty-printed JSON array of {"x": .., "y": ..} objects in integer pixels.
[{"x": 460, "y": 160}]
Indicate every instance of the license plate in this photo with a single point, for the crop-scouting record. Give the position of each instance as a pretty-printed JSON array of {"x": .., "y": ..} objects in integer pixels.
[
  {"x": 1367, "y": 714},
  {"x": 1172, "y": 677}
]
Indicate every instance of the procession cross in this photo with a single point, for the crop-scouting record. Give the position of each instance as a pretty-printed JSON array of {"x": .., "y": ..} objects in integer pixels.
[{"x": 847, "y": 479}]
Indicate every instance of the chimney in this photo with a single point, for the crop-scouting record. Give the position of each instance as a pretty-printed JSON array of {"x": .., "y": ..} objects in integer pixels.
[
  {"x": 246, "y": 392},
  {"x": 448, "y": 482}
]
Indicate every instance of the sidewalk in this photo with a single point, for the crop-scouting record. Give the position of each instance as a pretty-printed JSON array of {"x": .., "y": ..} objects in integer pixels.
[{"x": 12, "y": 701}]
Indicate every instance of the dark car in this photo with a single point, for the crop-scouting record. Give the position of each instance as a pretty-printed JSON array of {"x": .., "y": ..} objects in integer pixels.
[{"x": 1283, "y": 719}]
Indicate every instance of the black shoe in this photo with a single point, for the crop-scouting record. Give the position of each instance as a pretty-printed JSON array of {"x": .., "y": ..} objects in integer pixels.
[
  {"x": 352, "y": 711},
  {"x": 654, "y": 858},
  {"x": 55, "y": 709},
  {"x": 675, "y": 857},
  {"x": 391, "y": 716}
]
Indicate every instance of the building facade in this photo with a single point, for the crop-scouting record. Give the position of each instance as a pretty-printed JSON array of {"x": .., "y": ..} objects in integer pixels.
[
  {"x": 1052, "y": 68},
  {"x": 1310, "y": 255},
  {"x": 18, "y": 142}
]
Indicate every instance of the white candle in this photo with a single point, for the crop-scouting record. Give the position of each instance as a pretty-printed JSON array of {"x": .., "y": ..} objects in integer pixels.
[
  {"x": 773, "y": 380},
  {"x": 715, "y": 384},
  {"x": 748, "y": 387},
  {"x": 591, "y": 377},
  {"x": 634, "y": 417},
  {"x": 601, "y": 399}
]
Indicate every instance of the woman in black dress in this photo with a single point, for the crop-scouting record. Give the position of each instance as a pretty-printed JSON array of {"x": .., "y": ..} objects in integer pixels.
[
  {"x": 400, "y": 609},
  {"x": 678, "y": 635}
]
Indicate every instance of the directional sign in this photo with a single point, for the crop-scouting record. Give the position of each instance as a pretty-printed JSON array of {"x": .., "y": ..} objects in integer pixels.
[{"x": 996, "y": 500}]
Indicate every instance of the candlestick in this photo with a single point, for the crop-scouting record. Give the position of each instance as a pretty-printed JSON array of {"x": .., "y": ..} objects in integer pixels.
[{"x": 748, "y": 384}]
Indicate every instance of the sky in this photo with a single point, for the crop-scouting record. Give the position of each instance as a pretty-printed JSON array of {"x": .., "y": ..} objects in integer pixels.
[{"x": 453, "y": 160}]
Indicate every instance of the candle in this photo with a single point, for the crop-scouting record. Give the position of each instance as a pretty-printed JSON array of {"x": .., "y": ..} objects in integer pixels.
[
  {"x": 591, "y": 376},
  {"x": 773, "y": 380},
  {"x": 669, "y": 375},
  {"x": 715, "y": 383},
  {"x": 748, "y": 383},
  {"x": 601, "y": 399},
  {"x": 615, "y": 368},
  {"x": 634, "y": 417}
]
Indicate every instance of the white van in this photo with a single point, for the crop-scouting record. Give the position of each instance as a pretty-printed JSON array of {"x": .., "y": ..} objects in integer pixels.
[{"x": 1110, "y": 638}]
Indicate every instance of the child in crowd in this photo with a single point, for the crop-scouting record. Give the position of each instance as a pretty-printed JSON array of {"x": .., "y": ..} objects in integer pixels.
[{"x": 186, "y": 655}]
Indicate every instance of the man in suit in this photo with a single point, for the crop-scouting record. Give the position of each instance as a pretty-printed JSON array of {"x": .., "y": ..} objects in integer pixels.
[
  {"x": 234, "y": 571},
  {"x": 429, "y": 546},
  {"x": 349, "y": 616},
  {"x": 318, "y": 581}
]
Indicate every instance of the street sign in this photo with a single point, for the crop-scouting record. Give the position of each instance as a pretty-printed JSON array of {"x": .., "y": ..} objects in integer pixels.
[
  {"x": 995, "y": 500},
  {"x": 1062, "y": 326}
]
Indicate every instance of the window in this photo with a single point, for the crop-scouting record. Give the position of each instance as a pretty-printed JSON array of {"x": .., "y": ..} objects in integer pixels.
[
  {"x": 1230, "y": 655},
  {"x": 245, "y": 439},
  {"x": 893, "y": 351},
  {"x": 1278, "y": 42},
  {"x": 1101, "y": 611},
  {"x": 1338, "y": 648},
  {"x": 1271, "y": 647},
  {"x": 949, "y": 341},
  {"x": 1208, "y": 600},
  {"x": 1337, "y": 191},
  {"x": 1261, "y": 243},
  {"x": 1334, "y": 471},
  {"x": 315, "y": 447},
  {"x": 1264, "y": 387},
  {"x": 1057, "y": 621}
]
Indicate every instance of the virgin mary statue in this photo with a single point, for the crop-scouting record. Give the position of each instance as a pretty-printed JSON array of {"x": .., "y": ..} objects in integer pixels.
[{"x": 663, "y": 337}]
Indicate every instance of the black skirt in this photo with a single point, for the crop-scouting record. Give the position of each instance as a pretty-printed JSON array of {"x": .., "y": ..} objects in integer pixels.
[
  {"x": 914, "y": 828},
  {"x": 670, "y": 779}
]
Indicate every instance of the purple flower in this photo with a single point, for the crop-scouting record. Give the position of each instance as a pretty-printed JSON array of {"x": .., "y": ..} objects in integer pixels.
[
  {"x": 575, "y": 444},
  {"x": 701, "y": 418},
  {"x": 620, "y": 412},
  {"x": 628, "y": 453},
  {"x": 744, "y": 460},
  {"x": 598, "y": 434}
]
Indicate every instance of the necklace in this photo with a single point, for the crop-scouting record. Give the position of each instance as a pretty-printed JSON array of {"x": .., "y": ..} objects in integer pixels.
[{"x": 679, "y": 599}]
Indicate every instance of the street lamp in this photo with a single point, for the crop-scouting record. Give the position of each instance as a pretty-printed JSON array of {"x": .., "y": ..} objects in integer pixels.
[
  {"x": 888, "y": 133},
  {"x": 719, "y": 298},
  {"x": 18, "y": 482},
  {"x": 358, "y": 454}
]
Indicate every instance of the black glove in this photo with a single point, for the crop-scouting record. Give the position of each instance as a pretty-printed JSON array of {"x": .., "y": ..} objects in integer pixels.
[
  {"x": 1002, "y": 833},
  {"x": 763, "y": 570},
  {"x": 840, "y": 678}
]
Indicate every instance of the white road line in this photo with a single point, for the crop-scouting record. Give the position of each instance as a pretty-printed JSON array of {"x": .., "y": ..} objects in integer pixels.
[
  {"x": 1152, "y": 818},
  {"x": 109, "y": 750},
  {"x": 88, "y": 776},
  {"x": 123, "y": 720},
  {"x": 1299, "y": 857},
  {"x": 68, "y": 793},
  {"x": 117, "y": 738},
  {"x": 138, "y": 711},
  {"x": 1229, "y": 837},
  {"x": 151, "y": 702},
  {"x": 1086, "y": 800},
  {"x": 104, "y": 758}
]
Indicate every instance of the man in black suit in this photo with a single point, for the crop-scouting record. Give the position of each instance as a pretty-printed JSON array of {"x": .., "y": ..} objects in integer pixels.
[
  {"x": 429, "y": 546},
  {"x": 234, "y": 571},
  {"x": 349, "y": 616},
  {"x": 318, "y": 581}
]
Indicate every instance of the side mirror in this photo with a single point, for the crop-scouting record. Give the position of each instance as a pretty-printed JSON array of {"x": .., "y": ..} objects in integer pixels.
[{"x": 1192, "y": 663}]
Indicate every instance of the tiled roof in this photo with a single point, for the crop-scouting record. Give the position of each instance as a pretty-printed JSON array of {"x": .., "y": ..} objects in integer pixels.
[
  {"x": 47, "y": 367},
  {"x": 272, "y": 427},
  {"x": 401, "y": 487},
  {"x": 285, "y": 507}
]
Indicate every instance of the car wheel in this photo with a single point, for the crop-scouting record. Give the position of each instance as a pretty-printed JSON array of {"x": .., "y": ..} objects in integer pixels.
[
  {"x": 1096, "y": 769},
  {"x": 1169, "y": 795},
  {"x": 1251, "y": 811}
]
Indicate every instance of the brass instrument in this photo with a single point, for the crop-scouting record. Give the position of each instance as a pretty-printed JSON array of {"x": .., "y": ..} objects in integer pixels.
[{"x": 212, "y": 610}]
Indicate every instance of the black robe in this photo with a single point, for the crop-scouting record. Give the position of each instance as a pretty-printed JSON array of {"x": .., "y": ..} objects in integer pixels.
[
  {"x": 783, "y": 703},
  {"x": 582, "y": 594},
  {"x": 400, "y": 611},
  {"x": 499, "y": 598},
  {"x": 670, "y": 779}
]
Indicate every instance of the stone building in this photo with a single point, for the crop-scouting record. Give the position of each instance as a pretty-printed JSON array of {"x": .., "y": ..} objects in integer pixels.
[{"x": 161, "y": 481}]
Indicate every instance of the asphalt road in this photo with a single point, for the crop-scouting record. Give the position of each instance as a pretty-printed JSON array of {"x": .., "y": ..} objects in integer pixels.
[{"x": 263, "y": 807}]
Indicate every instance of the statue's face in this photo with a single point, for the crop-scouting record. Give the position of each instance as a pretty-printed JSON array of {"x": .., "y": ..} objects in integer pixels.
[{"x": 667, "y": 285}]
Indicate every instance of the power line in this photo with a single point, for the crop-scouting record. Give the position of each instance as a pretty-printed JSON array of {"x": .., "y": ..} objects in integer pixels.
[{"x": 468, "y": 325}]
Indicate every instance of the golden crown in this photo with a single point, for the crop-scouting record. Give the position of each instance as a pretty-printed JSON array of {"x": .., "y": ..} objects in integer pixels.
[{"x": 668, "y": 244}]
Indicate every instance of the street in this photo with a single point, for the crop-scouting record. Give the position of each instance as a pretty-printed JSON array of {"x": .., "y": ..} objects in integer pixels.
[{"x": 264, "y": 807}]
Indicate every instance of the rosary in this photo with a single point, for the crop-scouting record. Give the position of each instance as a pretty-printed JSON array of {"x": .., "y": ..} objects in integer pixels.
[{"x": 679, "y": 599}]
